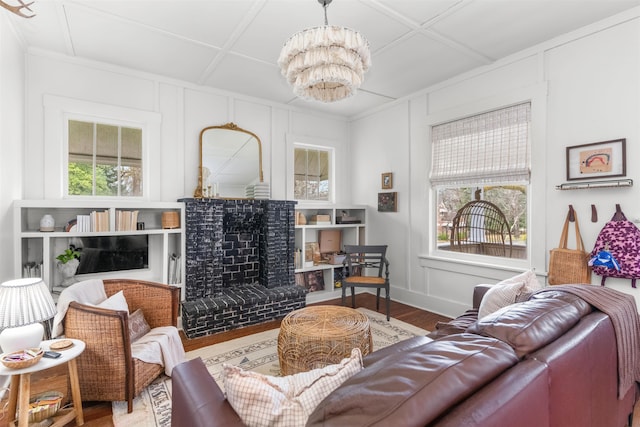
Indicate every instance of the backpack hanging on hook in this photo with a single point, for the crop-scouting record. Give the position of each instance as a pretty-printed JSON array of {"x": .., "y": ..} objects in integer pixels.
[{"x": 616, "y": 252}]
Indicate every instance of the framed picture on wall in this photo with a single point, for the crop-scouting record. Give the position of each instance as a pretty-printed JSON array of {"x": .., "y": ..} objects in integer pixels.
[
  {"x": 388, "y": 202},
  {"x": 387, "y": 180},
  {"x": 597, "y": 160}
]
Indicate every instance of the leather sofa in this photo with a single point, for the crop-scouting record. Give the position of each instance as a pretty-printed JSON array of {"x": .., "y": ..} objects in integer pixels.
[{"x": 547, "y": 361}]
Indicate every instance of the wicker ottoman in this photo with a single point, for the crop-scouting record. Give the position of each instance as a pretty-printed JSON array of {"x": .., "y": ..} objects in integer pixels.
[{"x": 314, "y": 337}]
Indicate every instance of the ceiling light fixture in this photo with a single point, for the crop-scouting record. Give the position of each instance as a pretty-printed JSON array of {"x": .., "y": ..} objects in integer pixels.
[{"x": 325, "y": 63}]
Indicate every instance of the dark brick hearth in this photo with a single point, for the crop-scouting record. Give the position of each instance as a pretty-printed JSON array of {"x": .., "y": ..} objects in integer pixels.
[{"x": 239, "y": 264}]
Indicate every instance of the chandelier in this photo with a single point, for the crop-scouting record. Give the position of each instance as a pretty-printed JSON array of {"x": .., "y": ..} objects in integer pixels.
[{"x": 325, "y": 63}]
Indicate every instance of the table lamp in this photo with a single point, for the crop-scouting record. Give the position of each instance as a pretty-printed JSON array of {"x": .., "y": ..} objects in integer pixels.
[{"x": 24, "y": 304}]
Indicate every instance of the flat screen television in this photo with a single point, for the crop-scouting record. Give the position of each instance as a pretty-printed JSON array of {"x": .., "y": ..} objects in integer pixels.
[{"x": 112, "y": 253}]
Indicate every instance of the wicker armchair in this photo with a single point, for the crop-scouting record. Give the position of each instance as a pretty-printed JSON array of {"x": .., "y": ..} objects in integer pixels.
[{"x": 107, "y": 372}]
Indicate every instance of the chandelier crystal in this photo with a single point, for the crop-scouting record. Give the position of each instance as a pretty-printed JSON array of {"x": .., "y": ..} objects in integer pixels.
[{"x": 325, "y": 63}]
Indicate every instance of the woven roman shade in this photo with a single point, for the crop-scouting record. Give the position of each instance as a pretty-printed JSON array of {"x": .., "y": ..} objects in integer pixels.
[{"x": 487, "y": 148}]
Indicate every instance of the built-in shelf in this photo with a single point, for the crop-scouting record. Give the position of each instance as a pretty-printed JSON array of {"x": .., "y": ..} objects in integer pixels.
[
  {"x": 352, "y": 233},
  {"x": 36, "y": 250},
  {"x": 584, "y": 185}
]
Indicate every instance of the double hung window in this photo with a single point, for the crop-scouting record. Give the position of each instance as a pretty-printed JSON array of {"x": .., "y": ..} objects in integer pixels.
[
  {"x": 104, "y": 159},
  {"x": 481, "y": 163},
  {"x": 312, "y": 173}
]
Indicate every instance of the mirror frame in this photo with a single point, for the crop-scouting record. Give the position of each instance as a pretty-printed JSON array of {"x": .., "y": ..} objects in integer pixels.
[{"x": 233, "y": 127}]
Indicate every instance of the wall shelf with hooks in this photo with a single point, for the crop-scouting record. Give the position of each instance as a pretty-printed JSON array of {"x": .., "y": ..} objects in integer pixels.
[{"x": 595, "y": 184}]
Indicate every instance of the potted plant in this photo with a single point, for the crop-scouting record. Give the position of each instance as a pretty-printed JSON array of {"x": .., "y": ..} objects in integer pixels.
[{"x": 68, "y": 262}]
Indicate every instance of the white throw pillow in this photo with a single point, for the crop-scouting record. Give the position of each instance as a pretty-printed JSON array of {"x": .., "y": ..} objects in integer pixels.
[
  {"x": 116, "y": 301},
  {"x": 505, "y": 293},
  {"x": 263, "y": 400}
]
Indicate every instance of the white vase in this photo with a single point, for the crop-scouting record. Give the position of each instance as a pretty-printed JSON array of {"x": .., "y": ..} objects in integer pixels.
[
  {"x": 47, "y": 223},
  {"x": 68, "y": 271}
]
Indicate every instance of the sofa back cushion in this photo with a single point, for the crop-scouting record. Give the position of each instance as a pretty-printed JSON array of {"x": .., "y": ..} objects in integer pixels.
[
  {"x": 530, "y": 325},
  {"x": 415, "y": 387}
]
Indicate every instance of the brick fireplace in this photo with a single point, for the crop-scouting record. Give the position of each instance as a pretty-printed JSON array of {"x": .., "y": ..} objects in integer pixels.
[{"x": 239, "y": 264}]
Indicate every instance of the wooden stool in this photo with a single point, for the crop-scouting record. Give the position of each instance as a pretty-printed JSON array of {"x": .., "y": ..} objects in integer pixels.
[{"x": 314, "y": 337}]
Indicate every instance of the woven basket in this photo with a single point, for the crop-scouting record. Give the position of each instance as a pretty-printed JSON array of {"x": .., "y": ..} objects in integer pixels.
[
  {"x": 44, "y": 405},
  {"x": 569, "y": 265},
  {"x": 170, "y": 220},
  {"x": 314, "y": 337},
  {"x": 28, "y": 360}
]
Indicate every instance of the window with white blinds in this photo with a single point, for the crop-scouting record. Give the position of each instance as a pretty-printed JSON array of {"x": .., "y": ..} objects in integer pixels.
[{"x": 488, "y": 148}]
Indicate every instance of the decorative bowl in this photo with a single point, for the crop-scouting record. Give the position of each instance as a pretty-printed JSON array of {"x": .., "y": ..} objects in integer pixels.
[{"x": 23, "y": 358}]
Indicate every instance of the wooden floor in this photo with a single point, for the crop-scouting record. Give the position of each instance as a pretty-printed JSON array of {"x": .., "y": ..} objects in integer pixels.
[{"x": 99, "y": 414}]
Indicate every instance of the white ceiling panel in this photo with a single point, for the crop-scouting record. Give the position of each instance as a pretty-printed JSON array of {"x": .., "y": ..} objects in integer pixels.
[
  {"x": 208, "y": 22},
  {"x": 234, "y": 45},
  {"x": 98, "y": 37},
  {"x": 248, "y": 77},
  {"x": 423, "y": 60},
  {"x": 419, "y": 11},
  {"x": 502, "y": 27}
]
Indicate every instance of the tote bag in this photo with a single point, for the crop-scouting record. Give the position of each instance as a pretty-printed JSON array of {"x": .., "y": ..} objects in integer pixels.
[{"x": 569, "y": 265}]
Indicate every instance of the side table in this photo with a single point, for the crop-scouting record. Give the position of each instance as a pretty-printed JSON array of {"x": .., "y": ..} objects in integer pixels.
[
  {"x": 21, "y": 385},
  {"x": 317, "y": 336}
]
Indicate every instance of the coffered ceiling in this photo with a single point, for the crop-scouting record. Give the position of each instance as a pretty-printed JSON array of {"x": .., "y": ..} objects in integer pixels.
[{"x": 234, "y": 44}]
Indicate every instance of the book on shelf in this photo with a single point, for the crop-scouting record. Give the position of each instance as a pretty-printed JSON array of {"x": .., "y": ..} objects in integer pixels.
[
  {"x": 99, "y": 221},
  {"x": 83, "y": 223},
  {"x": 94, "y": 221},
  {"x": 126, "y": 220}
]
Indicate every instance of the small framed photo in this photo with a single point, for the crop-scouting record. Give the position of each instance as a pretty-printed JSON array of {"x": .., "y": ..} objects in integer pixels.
[
  {"x": 387, "y": 180},
  {"x": 388, "y": 202},
  {"x": 597, "y": 160}
]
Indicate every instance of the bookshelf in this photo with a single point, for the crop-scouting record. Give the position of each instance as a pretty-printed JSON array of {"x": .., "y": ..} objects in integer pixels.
[
  {"x": 36, "y": 250},
  {"x": 311, "y": 221}
]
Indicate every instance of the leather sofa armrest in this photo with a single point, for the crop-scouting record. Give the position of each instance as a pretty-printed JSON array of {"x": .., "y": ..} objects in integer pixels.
[
  {"x": 478, "y": 294},
  {"x": 196, "y": 400}
]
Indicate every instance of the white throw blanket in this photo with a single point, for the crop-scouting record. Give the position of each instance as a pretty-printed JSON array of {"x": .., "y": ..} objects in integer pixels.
[
  {"x": 161, "y": 345},
  {"x": 85, "y": 292}
]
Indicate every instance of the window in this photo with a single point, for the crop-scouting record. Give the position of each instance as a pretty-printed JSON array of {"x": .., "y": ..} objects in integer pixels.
[
  {"x": 104, "y": 160},
  {"x": 480, "y": 172},
  {"x": 312, "y": 173}
]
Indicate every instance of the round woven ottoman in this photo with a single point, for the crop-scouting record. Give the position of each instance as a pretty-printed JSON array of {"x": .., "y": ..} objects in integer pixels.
[{"x": 314, "y": 337}]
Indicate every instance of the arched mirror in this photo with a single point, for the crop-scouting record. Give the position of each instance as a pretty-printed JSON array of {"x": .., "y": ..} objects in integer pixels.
[{"x": 230, "y": 159}]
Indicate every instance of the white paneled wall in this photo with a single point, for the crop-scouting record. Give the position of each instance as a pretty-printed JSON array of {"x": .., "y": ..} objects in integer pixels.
[
  {"x": 11, "y": 134},
  {"x": 588, "y": 90},
  {"x": 185, "y": 110}
]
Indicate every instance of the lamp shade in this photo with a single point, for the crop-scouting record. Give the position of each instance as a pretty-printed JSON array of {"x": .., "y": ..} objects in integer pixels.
[
  {"x": 325, "y": 63},
  {"x": 25, "y": 301}
]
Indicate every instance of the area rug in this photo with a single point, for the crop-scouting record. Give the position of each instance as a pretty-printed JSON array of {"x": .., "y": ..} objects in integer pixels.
[{"x": 257, "y": 352}]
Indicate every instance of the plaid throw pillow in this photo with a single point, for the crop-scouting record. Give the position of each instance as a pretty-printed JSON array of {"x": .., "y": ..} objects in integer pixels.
[{"x": 262, "y": 400}]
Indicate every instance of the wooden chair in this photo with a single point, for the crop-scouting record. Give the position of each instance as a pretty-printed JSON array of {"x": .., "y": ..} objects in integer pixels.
[
  {"x": 107, "y": 372},
  {"x": 363, "y": 259}
]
